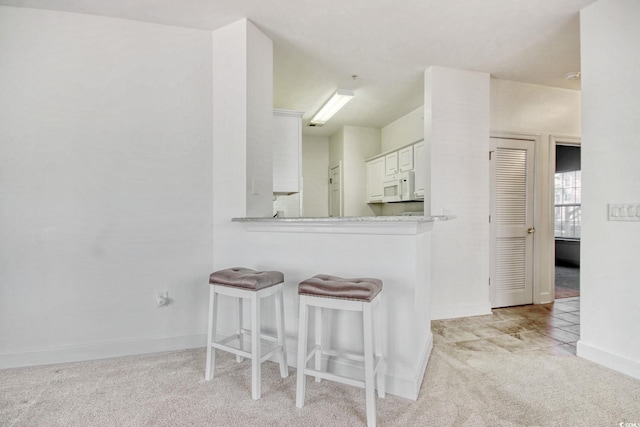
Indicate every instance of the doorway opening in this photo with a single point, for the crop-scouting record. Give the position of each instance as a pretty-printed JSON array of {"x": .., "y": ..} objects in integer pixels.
[
  {"x": 567, "y": 212},
  {"x": 335, "y": 191}
]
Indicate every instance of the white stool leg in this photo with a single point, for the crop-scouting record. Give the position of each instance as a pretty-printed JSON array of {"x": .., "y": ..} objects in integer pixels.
[
  {"x": 318, "y": 336},
  {"x": 380, "y": 345},
  {"x": 255, "y": 347},
  {"x": 284, "y": 368},
  {"x": 211, "y": 352},
  {"x": 302, "y": 351},
  {"x": 240, "y": 333},
  {"x": 369, "y": 369}
]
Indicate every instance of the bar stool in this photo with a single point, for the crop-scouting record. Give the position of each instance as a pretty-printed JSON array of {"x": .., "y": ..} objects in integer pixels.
[
  {"x": 324, "y": 291},
  {"x": 253, "y": 285}
]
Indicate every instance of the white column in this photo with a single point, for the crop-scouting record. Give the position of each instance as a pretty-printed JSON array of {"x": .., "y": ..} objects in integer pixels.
[
  {"x": 242, "y": 121},
  {"x": 242, "y": 165},
  {"x": 456, "y": 120}
]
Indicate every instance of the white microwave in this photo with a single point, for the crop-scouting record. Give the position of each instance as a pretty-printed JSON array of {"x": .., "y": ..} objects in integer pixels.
[{"x": 399, "y": 187}]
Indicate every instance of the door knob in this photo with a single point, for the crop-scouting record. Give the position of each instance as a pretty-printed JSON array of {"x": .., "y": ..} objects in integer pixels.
[{"x": 531, "y": 230}]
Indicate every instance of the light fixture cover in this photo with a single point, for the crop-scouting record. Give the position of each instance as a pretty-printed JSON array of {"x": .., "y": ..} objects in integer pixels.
[{"x": 335, "y": 103}]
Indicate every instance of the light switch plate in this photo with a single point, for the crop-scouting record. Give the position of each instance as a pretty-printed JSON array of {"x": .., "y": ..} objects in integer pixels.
[{"x": 624, "y": 212}]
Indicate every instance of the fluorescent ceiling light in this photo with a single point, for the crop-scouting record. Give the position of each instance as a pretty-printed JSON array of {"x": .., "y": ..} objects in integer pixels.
[{"x": 335, "y": 103}]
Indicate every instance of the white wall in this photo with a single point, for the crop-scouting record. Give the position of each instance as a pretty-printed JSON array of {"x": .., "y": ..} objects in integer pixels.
[
  {"x": 336, "y": 148},
  {"x": 457, "y": 130},
  {"x": 529, "y": 108},
  {"x": 360, "y": 143},
  {"x": 406, "y": 130},
  {"x": 610, "y": 272},
  {"x": 352, "y": 145},
  {"x": 542, "y": 112},
  {"x": 105, "y": 186},
  {"x": 315, "y": 167}
]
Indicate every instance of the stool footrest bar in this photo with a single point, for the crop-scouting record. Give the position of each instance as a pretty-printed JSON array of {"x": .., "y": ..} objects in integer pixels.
[
  {"x": 342, "y": 355},
  {"x": 263, "y": 336},
  {"x": 270, "y": 353},
  {"x": 230, "y": 349},
  {"x": 312, "y": 353},
  {"x": 333, "y": 377},
  {"x": 228, "y": 339}
]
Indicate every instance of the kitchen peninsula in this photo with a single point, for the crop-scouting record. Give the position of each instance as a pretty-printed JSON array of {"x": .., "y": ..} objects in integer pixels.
[{"x": 395, "y": 249}]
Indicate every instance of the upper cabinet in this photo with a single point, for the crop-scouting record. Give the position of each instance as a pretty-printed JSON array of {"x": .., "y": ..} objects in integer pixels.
[
  {"x": 405, "y": 159},
  {"x": 375, "y": 177},
  {"x": 391, "y": 163},
  {"x": 287, "y": 151},
  {"x": 387, "y": 166}
]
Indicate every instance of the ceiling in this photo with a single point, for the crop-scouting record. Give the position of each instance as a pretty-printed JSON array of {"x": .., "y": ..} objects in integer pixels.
[{"x": 387, "y": 44}]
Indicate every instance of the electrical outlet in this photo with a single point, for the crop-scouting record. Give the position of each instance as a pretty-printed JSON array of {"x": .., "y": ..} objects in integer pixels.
[{"x": 162, "y": 298}]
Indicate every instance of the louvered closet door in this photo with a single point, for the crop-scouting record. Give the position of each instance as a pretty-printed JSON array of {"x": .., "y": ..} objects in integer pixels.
[{"x": 512, "y": 222}]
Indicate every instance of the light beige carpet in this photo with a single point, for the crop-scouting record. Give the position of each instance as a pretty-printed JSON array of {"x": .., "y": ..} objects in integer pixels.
[{"x": 462, "y": 387}]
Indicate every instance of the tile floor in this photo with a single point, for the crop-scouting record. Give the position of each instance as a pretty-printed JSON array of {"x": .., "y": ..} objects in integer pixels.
[{"x": 547, "y": 328}]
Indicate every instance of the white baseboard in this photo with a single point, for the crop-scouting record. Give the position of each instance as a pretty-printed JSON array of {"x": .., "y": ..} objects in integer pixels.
[
  {"x": 452, "y": 311},
  {"x": 608, "y": 359},
  {"x": 546, "y": 298},
  {"x": 101, "y": 351}
]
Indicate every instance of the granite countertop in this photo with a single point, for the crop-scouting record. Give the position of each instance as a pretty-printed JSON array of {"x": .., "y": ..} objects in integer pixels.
[{"x": 348, "y": 219}]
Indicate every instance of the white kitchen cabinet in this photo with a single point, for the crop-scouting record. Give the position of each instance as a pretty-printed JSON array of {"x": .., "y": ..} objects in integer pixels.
[
  {"x": 405, "y": 159},
  {"x": 287, "y": 151},
  {"x": 375, "y": 177},
  {"x": 419, "y": 168},
  {"x": 391, "y": 163}
]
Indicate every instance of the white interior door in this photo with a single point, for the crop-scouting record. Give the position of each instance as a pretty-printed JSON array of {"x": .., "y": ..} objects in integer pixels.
[
  {"x": 512, "y": 231},
  {"x": 335, "y": 191}
]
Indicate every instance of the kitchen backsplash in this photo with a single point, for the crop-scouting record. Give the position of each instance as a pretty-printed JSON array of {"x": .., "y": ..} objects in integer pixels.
[
  {"x": 288, "y": 206},
  {"x": 391, "y": 209}
]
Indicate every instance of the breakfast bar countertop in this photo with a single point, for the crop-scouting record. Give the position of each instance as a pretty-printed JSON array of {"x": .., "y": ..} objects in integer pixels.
[
  {"x": 347, "y": 219},
  {"x": 401, "y": 224}
]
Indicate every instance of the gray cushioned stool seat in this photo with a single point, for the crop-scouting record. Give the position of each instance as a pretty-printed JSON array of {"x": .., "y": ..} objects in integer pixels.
[
  {"x": 246, "y": 278},
  {"x": 243, "y": 283},
  {"x": 324, "y": 285}
]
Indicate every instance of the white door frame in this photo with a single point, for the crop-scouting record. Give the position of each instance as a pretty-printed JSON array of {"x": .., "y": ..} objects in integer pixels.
[
  {"x": 555, "y": 140},
  {"x": 539, "y": 296},
  {"x": 341, "y": 187}
]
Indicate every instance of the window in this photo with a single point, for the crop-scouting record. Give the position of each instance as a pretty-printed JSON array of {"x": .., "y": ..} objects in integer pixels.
[{"x": 568, "y": 198}]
